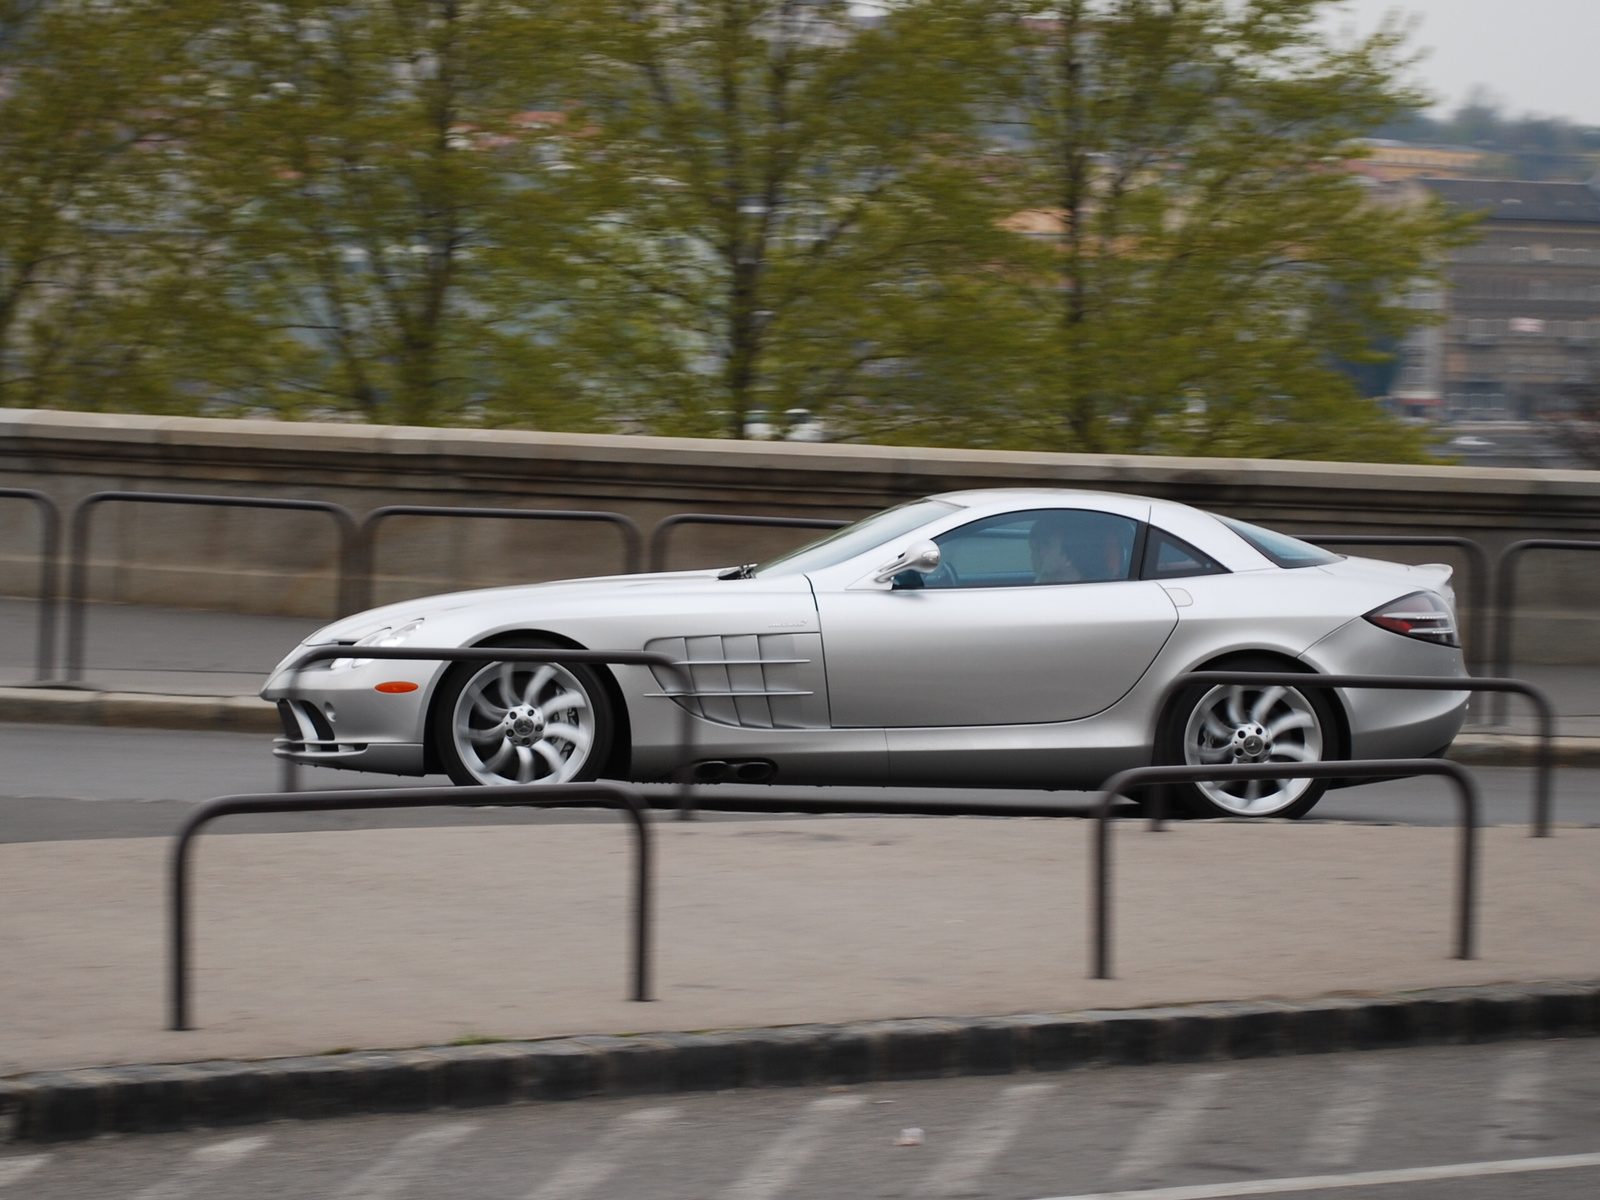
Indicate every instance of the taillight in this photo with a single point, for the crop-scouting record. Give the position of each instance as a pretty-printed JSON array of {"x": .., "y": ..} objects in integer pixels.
[{"x": 1420, "y": 615}]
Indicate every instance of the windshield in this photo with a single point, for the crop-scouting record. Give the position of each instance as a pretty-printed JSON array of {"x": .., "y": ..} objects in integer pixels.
[
  {"x": 1282, "y": 549},
  {"x": 856, "y": 539}
]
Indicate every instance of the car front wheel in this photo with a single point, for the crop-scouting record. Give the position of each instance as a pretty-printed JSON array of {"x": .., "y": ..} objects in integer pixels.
[
  {"x": 521, "y": 722},
  {"x": 1250, "y": 723}
]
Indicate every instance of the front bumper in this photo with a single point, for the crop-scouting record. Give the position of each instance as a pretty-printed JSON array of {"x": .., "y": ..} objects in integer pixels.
[
  {"x": 309, "y": 739},
  {"x": 389, "y": 759},
  {"x": 337, "y": 717},
  {"x": 340, "y": 719}
]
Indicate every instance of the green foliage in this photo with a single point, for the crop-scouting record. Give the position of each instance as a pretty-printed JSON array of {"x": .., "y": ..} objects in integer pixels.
[
  {"x": 1098, "y": 225},
  {"x": 354, "y": 170},
  {"x": 1206, "y": 259},
  {"x": 84, "y": 123},
  {"x": 767, "y": 185}
]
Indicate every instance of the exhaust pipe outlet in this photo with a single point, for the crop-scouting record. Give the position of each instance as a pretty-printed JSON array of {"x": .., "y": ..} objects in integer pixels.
[
  {"x": 711, "y": 771},
  {"x": 758, "y": 771}
]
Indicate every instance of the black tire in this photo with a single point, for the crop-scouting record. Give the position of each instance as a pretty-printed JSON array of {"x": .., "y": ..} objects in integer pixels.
[
  {"x": 520, "y": 738},
  {"x": 1291, "y": 724}
]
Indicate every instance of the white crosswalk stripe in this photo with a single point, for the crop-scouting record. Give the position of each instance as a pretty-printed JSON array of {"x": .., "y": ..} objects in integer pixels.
[
  {"x": 1511, "y": 1118},
  {"x": 1355, "y": 1179},
  {"x": 774, "y": 1170},
  {"x": 960, "y": 1172},
  {"x": 200, "y": 1165},
  {"x": 14, "y": 1169},
  {"x": 588, "y": 1169},
  {"x": 1166, "y": 1135},
  {"x": 393, "y": 1173},
  {"x": 1341, "y": 1128}
]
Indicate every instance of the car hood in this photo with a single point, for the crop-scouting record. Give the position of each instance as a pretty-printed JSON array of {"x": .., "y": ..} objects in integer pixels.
[{"x": 526, "y": 597}]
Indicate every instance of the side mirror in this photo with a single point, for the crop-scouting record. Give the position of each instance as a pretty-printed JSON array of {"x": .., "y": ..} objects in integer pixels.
[{"x": 919, "y": 557}]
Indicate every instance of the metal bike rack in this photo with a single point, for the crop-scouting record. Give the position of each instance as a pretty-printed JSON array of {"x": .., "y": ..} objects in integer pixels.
[
  {"x": 632, "y": 540},
  {"x": 553, "y": 654},
  {"x": 1426, "y": 683},
  {"x": 1506, "y": 598},
  {"x": 78, "y": 553},
  {"x": 590, "y": 795},
  {"x": 1125, "y": 781},
  {"x": 49, "y": 561},
  {"x": 1478, "y": 585},
  {"x": 658, "y": 535}
]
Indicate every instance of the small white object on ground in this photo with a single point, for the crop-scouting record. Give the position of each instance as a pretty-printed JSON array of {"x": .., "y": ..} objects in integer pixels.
[{"x": 909, "y": 1137}]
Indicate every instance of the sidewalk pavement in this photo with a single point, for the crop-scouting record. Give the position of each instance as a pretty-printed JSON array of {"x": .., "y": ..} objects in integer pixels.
[{"x": 315, "y": 943}]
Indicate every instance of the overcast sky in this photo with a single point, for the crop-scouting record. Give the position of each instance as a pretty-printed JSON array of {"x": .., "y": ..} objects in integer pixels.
[{"x": 1539, "y": 56}]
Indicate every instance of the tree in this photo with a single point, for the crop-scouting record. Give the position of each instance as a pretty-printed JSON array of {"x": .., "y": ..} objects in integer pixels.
[
  {"x": 1200, "y": 258},
  {"x": 85, "y": 118},
  {"x": 769, "y": 187},
  {"x": 352, "y": 170}
]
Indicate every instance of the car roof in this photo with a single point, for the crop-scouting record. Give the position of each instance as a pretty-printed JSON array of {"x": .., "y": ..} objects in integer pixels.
[{"x": 1194, "y": 525}]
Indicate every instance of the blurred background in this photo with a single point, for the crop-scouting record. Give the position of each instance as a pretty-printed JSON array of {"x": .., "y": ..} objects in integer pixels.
[{"x": 1130, "y": 227}]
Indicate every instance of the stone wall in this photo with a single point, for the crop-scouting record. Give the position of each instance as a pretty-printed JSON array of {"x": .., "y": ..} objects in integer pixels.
[{"x": 277, "y": 562}]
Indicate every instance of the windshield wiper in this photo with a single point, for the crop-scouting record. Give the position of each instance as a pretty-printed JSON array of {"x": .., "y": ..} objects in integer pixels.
[{"x": 748, "y": 571}]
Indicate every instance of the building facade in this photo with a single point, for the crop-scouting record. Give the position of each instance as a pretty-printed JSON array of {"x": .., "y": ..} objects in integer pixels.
[{"x": 1521, "y": 306}]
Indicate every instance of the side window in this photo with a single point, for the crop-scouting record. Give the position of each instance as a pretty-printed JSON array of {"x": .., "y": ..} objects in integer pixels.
[
  {"x": 1167, "y": 557},
  {"x": 1052, "y": 545}
]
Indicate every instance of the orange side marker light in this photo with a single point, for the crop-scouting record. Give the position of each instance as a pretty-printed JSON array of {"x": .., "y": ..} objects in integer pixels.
[{"x": 396, "y": 687}]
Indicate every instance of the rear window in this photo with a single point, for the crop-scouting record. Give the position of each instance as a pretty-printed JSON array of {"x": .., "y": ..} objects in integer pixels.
[{"x": 1280, "y": 548}]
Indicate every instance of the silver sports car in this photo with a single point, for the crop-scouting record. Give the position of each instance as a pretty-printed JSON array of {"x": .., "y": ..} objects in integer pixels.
[{"x": 1018, "y": 637}]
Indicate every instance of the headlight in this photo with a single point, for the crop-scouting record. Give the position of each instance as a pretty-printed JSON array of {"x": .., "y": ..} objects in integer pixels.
[
  {"x": 386, "y": 636},
  {"x": 1421, "y": 615}
]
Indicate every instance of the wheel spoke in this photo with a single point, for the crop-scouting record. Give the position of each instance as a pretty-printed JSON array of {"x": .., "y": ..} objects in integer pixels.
[
  {"x": 507, "y": 679},
  {"x": 1252, "y": 789},
  {"x": 1292, "y": 720},
  {"x": 1264, "y": 703},
  {"x": 494, "y": 762},
  {"x": 1235, "y": 707},
  {"x": 491, "y": 712},
  {"x": 565, "y": 701},
  {"x": 542, "y": 676},
  {"x": 569, "y": 733},
  {"x": 478, "y": 735},
  {"x": 1210, "y": 755},
  {"x": 1293, "y": 753},
  {"x": 524, "y": 765},
  {"x": 552, "y": 756},
  {"x": 1219, "y": 732}
]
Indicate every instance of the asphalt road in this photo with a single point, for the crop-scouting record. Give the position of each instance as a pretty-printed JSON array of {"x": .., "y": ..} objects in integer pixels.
[
  {"x": 1457, "y": 1123},
  {"x": 60, "y": 782}
]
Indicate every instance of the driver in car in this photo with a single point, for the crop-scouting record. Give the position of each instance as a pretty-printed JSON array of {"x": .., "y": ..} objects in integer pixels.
[{"x": 1075, "y": 547}]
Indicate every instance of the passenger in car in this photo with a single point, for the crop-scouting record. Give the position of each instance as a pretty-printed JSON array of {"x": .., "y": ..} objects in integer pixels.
[{"x": 1076, "y": 547}]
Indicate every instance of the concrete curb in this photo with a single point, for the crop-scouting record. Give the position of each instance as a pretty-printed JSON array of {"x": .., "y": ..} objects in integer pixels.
[
  {"x": 247, "y": 714},
  {"x": 62, "y": 1105},
  {"x": 1521, "y": 750},
  {"x": 138, "y": 710}
]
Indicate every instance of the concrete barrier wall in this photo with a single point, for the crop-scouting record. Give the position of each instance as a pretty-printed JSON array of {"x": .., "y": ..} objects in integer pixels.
[{"x": 276, "y": 562}]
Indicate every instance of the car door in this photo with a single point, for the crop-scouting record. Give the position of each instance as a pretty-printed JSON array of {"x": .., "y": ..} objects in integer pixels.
[{"x": 1007, "y": 631}]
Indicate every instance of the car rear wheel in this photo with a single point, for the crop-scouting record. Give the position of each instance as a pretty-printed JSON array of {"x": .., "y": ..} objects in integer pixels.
[
  {"x": 1250, "y": 723},
  {"x": 521, "y": 722}
]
